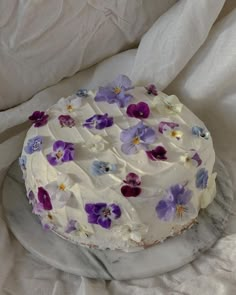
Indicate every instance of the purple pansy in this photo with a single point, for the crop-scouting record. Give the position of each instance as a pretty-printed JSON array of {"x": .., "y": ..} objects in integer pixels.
[
  {"x": 39, "y": 118},
  {"x": 22, "y": 162},
  {"x": 34, "y": 145},
  {"x": 98, "y": 122},
  {"x": 102, "y": 213},
  {"x": 202, "y": 178},
  {"x": 62, "y": 152},
  {"x": 159, "y": 153},
  {"x": 140, "y": 110},
  {"x": 44, "y": 199},
  {"x": 131, "y": 189},
  {"x": 115, "y": 92},
  {"x": 136, "y": 138},
  {"x": 66, "y": 121},
  {"x": 200, "y": 132},
  {"x": 71, "y": 226},
  {"x": 151, "y": 89},
  {"x": 175, "y": 203}
]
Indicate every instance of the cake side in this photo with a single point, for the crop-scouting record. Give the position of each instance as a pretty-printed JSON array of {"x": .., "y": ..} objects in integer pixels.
[{"x": 116, "y": 176}]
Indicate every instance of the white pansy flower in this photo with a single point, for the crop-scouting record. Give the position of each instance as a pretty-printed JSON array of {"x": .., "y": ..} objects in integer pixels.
[
  {"x": 191, "y": 159},
  {"x": 59, "y": 191},
  {"x": 167, "y": 105},
  {"x": 69, "y": 104},
  {"x": 95, "y": 144},
  {"x": 134, "y": 232},
  {"x": 209, "y": 193},
  {"x": 174, "y": 133}
]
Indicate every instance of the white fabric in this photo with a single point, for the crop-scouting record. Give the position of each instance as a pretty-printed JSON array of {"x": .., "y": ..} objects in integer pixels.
[
  {"x": 43, "y": 41},
  {"x": 196, "y": 59}
]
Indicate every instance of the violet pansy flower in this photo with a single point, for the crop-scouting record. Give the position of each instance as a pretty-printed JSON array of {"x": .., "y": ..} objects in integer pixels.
[
  {"x": 159, "y": 153},
  {"x": 44, "y": 199},
  {"x": 140, "y": 110},
  {"x": 151, "y": 89},
  {"x": 202, "y": 178},
  {"x": 175, "y": 204},
  {"x": 200, "y": 132},
  {"x": 98, "y": 122},
  {"x": 34, "y": 145},
  {"x": 71, "y": 226},
  {"x": 132, "y": 187},
  {"x": 102, "y": 213},
  {"x": 116, "y": 91},
  {"x": 66, "y": 121},
  {"x": 100, "y": 168},
  {"x": 62, "y": 152},
  {"x": 39, "y": 119},
  {"x": 22, "y": 162},
  {"x": 136, "y": 138}
]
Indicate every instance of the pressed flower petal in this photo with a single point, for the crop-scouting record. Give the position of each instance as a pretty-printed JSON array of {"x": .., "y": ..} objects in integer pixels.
[
  {"x": 129, "y": 191},
  {"x": 104, "y": 222},
  {"x": 115, "y": 211},
  {"x": 165, "y": 210},
  {"x": 93, "y": 218},
  {"x": 129, "y": 148},
  {"x": 44, "y": 198},
  {"x": 162, "y": 126}
]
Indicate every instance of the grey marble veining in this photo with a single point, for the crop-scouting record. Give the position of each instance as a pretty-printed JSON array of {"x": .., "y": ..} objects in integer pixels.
[{"x": 92, "y": 263}]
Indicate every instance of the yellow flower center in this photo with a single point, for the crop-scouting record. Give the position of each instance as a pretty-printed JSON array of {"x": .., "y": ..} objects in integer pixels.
[
  {"x": 136, "y": 140},
  {"x": 62, "y": 187},
  {"x": 50, "y": 217},
  {"x": 187, "y": 159},
  {"x": 59, "y": 154},
  {"x": 69, "y": 108},
  {"x": 117, "y": 90},
  {"x": 174, "y": 133},
  {"x": 106, "y": 212},
  {"x": 180, "y": 209}
]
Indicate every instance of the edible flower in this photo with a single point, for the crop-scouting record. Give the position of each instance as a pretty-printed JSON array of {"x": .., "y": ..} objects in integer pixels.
[
  {"x": 116, "y": 91},
  {"x": 102, "y": 213},
  {"x": 39, "y": 119},
  {"x": 140, "y": 110},
  {"x": 136, "y": 138},
  {"x": 132, "y": 187},
  {"x": 175, "y": 204},
  {"x": 100, "y": 168},
  {"x": 159, "y": 153},
  {"x": 98, "y": 122},
  {"x": 62, "y": 152},
  {"x": 34, "y": 145},
  {"x": 66, "y": 121},
  {"x": 202, "y": 178}
]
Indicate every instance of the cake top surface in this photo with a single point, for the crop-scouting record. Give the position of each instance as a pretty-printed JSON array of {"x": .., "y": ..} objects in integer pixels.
[{"x": 121, "y": 163}]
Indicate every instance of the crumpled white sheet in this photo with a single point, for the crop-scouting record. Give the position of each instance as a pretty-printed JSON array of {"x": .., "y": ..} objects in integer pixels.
[
  {"x": 189, "y": 54},
  {"x": 43, "y": 41}
]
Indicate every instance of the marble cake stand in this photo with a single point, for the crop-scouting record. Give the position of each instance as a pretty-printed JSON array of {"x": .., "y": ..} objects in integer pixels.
[{"x": 172, "y": 254}]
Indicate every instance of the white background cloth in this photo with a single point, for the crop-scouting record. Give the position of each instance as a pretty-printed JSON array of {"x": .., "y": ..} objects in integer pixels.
[{"x": 189, "y": 51}]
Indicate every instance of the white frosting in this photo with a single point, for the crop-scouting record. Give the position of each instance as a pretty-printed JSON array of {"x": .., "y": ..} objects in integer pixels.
[{"x": 139, "y": 224}]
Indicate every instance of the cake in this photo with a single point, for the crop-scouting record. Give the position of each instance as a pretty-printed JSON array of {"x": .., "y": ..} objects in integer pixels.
[{"x": 121, "y": 167}]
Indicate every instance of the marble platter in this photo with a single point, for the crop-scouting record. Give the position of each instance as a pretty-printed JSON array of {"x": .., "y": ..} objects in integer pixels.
[{"x": 172, "y": 254}]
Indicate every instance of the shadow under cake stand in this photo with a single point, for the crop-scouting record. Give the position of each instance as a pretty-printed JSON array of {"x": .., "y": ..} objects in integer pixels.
[{"x": 164, "y": 257}]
